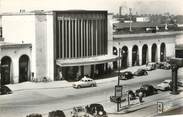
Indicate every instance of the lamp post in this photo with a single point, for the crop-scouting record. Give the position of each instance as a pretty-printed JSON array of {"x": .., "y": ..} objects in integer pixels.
[{"x": 119, "y": 66}]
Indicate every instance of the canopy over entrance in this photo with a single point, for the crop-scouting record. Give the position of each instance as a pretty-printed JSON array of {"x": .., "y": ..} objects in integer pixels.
[{"x": 86, "y": 61}]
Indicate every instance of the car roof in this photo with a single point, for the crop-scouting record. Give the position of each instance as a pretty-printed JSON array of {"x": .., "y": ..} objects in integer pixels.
[
  {"x": 86, "y": 78},
  {"x": 167, "y": 80}
]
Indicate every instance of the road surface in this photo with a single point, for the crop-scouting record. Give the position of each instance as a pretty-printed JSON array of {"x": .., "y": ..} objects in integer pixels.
[{"x": 22, "y": 103}]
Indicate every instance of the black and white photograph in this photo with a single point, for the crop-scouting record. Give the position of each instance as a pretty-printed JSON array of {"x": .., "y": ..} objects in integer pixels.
[{"x": 91, "y": 58}]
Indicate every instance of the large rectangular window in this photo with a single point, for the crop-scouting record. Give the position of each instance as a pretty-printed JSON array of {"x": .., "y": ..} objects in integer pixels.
[{"x": 80, "y": 34}]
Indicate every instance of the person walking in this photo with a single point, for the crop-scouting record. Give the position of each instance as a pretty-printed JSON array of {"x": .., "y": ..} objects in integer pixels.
[{"x": 140, "y": 96}]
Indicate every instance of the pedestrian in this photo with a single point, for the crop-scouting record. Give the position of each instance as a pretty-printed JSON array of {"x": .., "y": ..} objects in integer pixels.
[{"x": 140, "y": 96}]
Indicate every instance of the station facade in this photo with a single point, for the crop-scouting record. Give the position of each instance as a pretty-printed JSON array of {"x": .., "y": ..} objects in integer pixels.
[
  {"x": 64, "y": 44},
  {"x": 70, "y": 44}
]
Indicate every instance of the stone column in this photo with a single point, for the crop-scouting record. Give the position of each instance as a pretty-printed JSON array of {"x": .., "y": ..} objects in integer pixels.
[
  {"x": 158, "y": 53},
  {"x": 14, "y": 70},
  {"x": 130, "y": 56},
  {"x": 149, "y": 53},
  {"x": 140, "y": 54}
]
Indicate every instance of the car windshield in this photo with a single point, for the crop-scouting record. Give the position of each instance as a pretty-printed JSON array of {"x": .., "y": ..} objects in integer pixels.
[{"x": 166, "y": 82}]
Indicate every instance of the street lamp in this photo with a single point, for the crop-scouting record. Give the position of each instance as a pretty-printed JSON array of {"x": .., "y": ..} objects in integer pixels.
[{"x": 119, "y": 65}]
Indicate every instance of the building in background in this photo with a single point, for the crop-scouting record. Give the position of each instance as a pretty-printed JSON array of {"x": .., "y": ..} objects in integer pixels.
[{"x": 64, "y": 44}]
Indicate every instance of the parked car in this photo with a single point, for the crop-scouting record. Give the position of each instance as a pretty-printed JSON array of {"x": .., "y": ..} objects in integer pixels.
[
  {"x": 163, "y": 65},
  {"x": 164, "y": 86},
  {"x": 57, "y": 113},
  {"x": 150, "y": 66},
  {"x": 131, "y": 95},
  {"x": 84, "y": 82},
  {"x": 79, "y": 112},
  {"x": 5, "y": 90},
  {"x": 126, "y": 75},
  {"x": 166, "y": 66},
  {"x": 140, "y": 72},
  {"x": 147, "y": 90},
  {"x": 97, "y": 110}
]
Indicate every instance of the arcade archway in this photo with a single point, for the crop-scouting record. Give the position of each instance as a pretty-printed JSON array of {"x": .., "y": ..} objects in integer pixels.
[
  {"x": 135, "y": 56},
  {"x": 162, "y": 52},
  {"x": 24, "y": 68},
  {"x": 124, "y": 57},
  {"x": 5, "y": 70},
  {"x": 144, "y": 54},
  {"x": 154, "y": 53},
  {"x": 115, "y": 52}
]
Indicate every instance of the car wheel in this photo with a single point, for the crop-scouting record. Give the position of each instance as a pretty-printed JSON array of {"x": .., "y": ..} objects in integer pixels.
[
  {"x": 78, "y": 86},
  {"x": 92, "y": 85}
]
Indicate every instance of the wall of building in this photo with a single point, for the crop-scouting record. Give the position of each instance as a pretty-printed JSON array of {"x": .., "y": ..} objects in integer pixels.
[
  {"x": 41, "y": 45},
  {"x": 50, "y": 47},
  {"x": 20, "y": 28},
  {"x": 149, "y": 41},
  {"x": 15, "y": 54},
  {"x": 37, "y": 30}
]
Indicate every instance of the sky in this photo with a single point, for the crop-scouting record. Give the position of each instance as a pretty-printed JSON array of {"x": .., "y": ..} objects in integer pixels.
[{"x": 139, "y": 6}]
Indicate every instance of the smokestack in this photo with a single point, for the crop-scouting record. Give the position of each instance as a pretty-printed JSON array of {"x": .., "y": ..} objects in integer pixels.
[{"x": 120, "y": 9}]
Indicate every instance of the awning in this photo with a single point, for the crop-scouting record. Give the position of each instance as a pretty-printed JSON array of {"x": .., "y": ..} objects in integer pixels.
[{"x": 86, "y": 61}]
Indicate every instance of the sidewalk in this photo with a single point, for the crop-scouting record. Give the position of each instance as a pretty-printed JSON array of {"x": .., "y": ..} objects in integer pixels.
[
  {"x": 172, "y": 102},
  {"x": 59, "y": 84},
  {"x": 65, "y": 84}
]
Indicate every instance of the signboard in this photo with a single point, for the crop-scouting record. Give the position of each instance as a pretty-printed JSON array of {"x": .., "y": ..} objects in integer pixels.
[
  {"x": 160, "y": 107},
  {"x": 118, "y": 90}
]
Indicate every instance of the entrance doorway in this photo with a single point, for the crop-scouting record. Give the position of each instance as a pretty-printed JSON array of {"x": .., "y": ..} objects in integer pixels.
[
  {"x": 144, "y": 54},
  {"x": 5, "y": 70},
  {"x": 154, "y": 53},
  {"x": 162, "y": 52},
  {"x": 135, "y": 56},
  {"x": 24, "y": 68},
  {"x": 124, "y": 57}
]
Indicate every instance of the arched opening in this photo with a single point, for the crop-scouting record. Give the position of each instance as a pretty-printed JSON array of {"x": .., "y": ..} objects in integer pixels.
[
  {"x": 5, "y": 70},
  {"x": 124, "y": 57},
  {"x": 115, "y": 52},
  {"x": 154, "y": 53},
  {"x": 162, "y": 52},
  {"x": 24, "y": 68},
  {"x": 135, "y": 56},
  {"x": 144, "y": 54}
]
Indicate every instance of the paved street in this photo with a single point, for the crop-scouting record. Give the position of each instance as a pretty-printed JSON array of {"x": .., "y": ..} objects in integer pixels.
[{"x": 23, "y": 102}]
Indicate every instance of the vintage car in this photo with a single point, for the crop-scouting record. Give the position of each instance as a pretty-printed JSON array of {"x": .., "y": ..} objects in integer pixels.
[
  {"x": 147, "y": 90},
  {"x": 126, "y": 75},
  {"x": 5, "y": 90},
  {"x": 140, "y": 72},
  {"x": 164, "y": 86},
  {"x": 97, "y": 110},
  {"x": 150, "y": 66},
  {"x": 84, "y": 82}
]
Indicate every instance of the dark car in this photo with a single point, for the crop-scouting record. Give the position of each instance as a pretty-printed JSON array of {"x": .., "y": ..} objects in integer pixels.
[
  {"x": 147, "y": 90},
  {"x": 5, "y": 90},
  {"x": 126, "y": 75},
  {"x": 57, "y": 113},
  {"x": 96, "y": 110},
  {"x": 140, "y": 72}
]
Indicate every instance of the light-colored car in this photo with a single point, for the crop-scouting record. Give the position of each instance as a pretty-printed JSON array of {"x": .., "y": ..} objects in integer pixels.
[
  {"x": 165, "y": 85},
  {"x": 84, "y": 82},
  {"x": 150, "y": 66}
]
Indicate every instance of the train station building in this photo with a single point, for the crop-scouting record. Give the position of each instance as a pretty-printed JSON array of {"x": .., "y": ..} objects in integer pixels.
[{"x": 70, "y": 44}]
